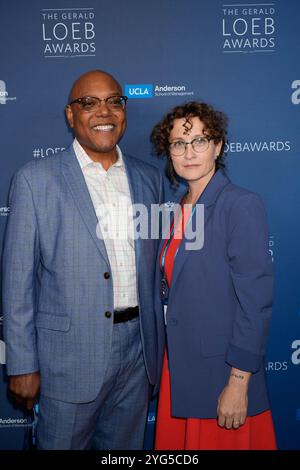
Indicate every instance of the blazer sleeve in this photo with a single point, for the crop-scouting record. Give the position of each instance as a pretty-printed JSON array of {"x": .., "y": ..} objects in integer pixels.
[
  {"x": 252, "y": 277},
  {"x": 20, "y": 259}
]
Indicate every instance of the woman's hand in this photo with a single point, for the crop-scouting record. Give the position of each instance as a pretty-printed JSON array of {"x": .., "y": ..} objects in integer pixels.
[{"x": 233, "y": 401}]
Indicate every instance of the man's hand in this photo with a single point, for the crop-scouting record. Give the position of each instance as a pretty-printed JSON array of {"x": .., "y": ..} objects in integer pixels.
[
  {"x": 233, "y": 401},
  {"x": 25, "y": 388}
]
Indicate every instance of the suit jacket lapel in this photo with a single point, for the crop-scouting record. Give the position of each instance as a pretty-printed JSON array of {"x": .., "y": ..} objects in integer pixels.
[
  {"x": 77, "y": 185},
  {"x": 135, "y": 187},
  {"x": 208, "y": 198}
]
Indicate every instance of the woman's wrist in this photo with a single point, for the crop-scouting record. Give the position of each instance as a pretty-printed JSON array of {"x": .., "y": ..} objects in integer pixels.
[{"x": 239, "y": 377}]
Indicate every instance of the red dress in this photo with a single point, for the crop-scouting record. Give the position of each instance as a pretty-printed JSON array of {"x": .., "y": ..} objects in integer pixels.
[{"x": 257, "y": 433}]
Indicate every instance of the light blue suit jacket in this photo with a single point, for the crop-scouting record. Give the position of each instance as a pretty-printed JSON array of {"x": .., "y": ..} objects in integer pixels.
[{"x": 54, "y": 292}]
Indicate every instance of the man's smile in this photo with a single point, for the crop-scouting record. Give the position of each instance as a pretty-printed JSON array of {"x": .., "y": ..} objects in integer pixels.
[{"x": 104, "y": 127}]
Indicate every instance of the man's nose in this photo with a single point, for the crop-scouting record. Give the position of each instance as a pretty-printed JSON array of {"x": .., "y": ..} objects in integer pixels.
[{"x": 103, "y": 108}]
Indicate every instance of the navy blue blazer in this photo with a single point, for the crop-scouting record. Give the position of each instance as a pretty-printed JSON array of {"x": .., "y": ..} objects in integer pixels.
[{"x": 220, "y": 303}]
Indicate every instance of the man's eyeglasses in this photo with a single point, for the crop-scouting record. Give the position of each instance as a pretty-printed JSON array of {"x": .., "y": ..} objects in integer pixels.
[
  {"x": 199, "y": 144},
  {"x": 91, "y": 103}
]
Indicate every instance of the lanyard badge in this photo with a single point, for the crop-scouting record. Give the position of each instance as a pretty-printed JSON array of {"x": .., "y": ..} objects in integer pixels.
[
  {"x": 164, "y": 294},
  {"x": 164, "y": 290}
]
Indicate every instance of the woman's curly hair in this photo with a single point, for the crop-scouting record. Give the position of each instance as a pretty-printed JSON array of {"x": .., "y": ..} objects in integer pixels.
[{"x": 215, "y": 126}]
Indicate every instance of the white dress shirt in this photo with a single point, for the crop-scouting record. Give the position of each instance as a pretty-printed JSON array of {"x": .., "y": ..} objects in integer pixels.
[{"x": 110, "y": 194}]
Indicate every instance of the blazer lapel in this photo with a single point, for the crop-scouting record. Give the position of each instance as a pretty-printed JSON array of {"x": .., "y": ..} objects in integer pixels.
[
  {"x": 135, "y": 187},
  {"x": 170, "y": 209},
  {"x": 208, "y": 198},
  {"x": 77, "y": 185}
]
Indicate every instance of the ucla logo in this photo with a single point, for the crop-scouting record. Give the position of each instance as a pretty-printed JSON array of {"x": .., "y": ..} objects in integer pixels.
[{"x": 139, "y": 91}]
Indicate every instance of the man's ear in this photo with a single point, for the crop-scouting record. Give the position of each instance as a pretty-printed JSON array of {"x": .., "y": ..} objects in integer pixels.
[{"x": 70, "y": 117}]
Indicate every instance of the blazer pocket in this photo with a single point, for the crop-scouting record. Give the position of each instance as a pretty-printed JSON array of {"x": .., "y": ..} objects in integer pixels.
[
  {"x": 50, "y": 321},
  {"x": 215, "y": 345}
]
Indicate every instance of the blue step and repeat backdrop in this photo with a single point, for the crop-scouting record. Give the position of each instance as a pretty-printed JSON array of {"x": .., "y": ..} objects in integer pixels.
[{"x": 241, "y": 57}]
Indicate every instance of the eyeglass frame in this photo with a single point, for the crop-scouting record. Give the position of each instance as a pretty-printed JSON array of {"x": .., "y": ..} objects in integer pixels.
[
  {"x": 79, "y": 101},
  {"x": 191, "y": 142}
]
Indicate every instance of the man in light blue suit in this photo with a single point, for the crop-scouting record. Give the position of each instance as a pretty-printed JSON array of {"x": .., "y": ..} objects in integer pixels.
[{"x": 79, "y": 324}]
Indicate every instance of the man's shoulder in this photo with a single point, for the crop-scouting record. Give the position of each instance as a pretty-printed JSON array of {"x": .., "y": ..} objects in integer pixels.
[
  {"x": 42, "y": 166},
  {"x": 144, "y": 167}
]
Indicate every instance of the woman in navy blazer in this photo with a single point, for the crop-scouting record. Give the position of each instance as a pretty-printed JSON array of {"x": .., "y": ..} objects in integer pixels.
[{"x": 217, "y": 298}]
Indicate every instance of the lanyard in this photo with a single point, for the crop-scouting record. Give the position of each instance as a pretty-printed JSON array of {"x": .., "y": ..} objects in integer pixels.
[{"x": 164, "y": 288}]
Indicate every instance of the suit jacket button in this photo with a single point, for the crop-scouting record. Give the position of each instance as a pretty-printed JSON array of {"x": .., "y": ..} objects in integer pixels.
[
  {"x": 106, "y": 275},
  {"x": 108, "y": 314},
  {"x": 173, "y": 321}
]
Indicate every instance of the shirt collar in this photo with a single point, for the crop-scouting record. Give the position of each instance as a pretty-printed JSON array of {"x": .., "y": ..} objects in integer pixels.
[{"x": 84, "y": 159}]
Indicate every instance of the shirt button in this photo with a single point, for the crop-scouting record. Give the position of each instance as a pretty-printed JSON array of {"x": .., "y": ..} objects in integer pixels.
[
  {"x": 106, "y": 275},
  {"x": 108, "y": 314}
]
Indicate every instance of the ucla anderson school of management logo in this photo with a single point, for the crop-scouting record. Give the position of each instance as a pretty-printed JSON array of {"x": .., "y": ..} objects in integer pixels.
[{"x": 148, "y": 90}]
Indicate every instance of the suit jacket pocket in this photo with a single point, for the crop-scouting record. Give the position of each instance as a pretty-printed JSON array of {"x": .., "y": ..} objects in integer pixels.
[
  {"x": 214, "y": 345},
  {"x": 50, "y": 321}
]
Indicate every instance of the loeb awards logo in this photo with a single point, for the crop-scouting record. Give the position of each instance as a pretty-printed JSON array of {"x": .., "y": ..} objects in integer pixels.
[
  {"x": 68, "y": 32},
  {"x": 248, "y": 28}
]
